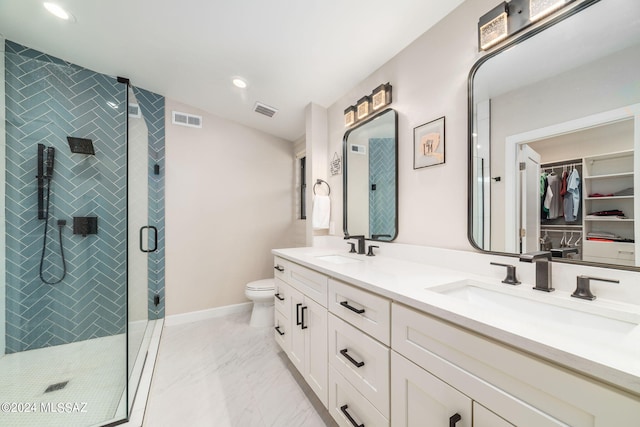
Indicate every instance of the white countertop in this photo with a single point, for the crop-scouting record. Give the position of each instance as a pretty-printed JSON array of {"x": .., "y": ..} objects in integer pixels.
[{"x": 614, "y": 359}]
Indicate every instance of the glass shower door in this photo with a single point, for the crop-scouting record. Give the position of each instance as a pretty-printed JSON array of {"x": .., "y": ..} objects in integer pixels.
[
  {"x": 63, "y": 360},
  {"x": 138, "y": 220}
]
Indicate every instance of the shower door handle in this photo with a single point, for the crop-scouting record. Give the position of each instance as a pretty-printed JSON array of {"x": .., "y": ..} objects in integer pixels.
[{"x": 155, "y": 239}]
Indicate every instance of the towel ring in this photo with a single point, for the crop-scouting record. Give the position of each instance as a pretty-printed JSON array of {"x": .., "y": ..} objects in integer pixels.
[{"x": 320, "y": 181}]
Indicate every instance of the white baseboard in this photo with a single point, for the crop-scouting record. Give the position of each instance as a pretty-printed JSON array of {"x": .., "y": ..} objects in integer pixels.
[{"x": 194, "y": 316}]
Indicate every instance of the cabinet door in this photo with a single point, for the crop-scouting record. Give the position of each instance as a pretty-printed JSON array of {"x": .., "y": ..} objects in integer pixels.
[
  {"x": 482, "y": 417},
  {"x": 419, "y": 399},
  {"x": 297, "y": 346},
  {"x": 314, "y": 322}
]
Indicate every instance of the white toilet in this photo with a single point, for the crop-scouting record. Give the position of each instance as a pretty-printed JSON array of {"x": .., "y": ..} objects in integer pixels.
[{"x": 261, "y": 292}]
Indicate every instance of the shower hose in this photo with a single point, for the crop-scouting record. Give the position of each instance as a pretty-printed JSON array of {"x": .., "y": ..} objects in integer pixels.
[{"x": 44, "y": 242}]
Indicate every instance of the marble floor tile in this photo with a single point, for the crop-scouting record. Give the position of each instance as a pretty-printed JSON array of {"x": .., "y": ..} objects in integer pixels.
[{"x": 222, "y": 372}]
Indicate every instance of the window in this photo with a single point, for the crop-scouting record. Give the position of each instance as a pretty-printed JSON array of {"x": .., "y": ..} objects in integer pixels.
[{"x": 303, "y": 187}]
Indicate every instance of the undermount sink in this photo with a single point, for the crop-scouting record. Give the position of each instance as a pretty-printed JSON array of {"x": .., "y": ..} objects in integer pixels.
[
  {"x": 338, "y": 259},
  {"x": 562, "y": 315}
]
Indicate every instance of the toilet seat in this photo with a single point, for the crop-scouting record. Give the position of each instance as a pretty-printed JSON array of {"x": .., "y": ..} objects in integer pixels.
[{"x": 261, "y": 285}]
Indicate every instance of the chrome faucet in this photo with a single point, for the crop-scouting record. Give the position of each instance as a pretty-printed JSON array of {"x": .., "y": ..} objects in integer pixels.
[
  {"x": 360, "y": 242},
  {"x": 542, "y": 259}
]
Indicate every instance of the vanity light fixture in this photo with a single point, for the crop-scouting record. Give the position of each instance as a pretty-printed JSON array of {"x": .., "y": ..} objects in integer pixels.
[
  {"x": 381, "y": 96},
  {"x": 493, "y": 26},
  {"x": 509, "y": 18},
  {"x": 350, "y": 116},
  {"x": 368, "y": 104},
  {"x": 58, "y": 11},
  {"x": 363, "y": 107},
  {"x": 540, "y": 8}
]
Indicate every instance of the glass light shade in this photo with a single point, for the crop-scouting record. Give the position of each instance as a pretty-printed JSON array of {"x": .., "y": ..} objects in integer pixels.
[
  {"x": 350, "y": 116},
  {"x": 541, "y": 8},
  {"x": 363, "y": 107},
  {"x": 493, "y": 31},
  {"x": 381, "y": 96}
]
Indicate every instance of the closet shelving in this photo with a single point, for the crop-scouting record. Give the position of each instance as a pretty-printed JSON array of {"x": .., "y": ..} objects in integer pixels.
[{"x": 609, "y": 174}]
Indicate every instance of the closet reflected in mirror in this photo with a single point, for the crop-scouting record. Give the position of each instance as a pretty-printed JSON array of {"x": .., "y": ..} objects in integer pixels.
[{"x": 370, "y": 152}]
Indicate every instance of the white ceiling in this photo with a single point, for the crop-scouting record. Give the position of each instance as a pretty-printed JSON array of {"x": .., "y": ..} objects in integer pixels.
[{"x": 291, "y": 52}]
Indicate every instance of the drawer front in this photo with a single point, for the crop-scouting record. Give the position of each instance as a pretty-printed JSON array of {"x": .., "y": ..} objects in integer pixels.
[
  {"x": 281, "y": 269},
  {"x": 366, "y": 311},
  {"x": 309, "y": 282},
  {"x": 365, "y": 363},
  {"x": 609, "y": 250},
  {"x": 282, "y": 298},
  {"x": 345, "y": 402},
  {"x": 282, "y": 331},
  {"x": 604, "y": 260}
]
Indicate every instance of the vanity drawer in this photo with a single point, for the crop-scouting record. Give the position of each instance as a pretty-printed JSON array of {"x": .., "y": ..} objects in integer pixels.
[
  {"x": 607, "y": 252},
  {"x": 282, "y": 298},
  {"x": 345, "y": 401},
  {"x": 309, "y": 282},
  {"x": 364, "y": 310},
  {"x": 282, "y": 332},
  {"x": 281, "y": 269},
  {"x": 363, "y": 361}
]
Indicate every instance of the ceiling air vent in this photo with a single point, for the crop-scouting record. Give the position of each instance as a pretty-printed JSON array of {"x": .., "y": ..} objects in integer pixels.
[
  {"x": 134, "y": 110},
  {"x": 184, "y": 119},
  {"x": 265, "y": 109}
]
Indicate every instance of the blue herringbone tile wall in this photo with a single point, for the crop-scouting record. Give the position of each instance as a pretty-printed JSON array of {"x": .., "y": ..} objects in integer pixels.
[
  {"x": 152, "y": 107},
  {"x": 46, "y": 100},
  {"x": 382, "y": 204}
]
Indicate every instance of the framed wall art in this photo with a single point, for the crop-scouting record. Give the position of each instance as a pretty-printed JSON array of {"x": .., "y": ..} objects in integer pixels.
[{"x": 428, "y": 144}]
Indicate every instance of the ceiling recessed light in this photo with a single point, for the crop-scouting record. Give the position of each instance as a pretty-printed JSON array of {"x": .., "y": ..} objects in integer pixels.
[
  {"x": 238, "y": 82},
  {"x": 58, "y": 11}
]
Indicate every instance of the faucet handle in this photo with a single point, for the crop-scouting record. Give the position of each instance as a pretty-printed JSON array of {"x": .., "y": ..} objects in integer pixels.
[
  {"x": 353, "y": 247},
  {"x": 370, "y": 253},
  {"x": 583, "y": 288},
  {"x": 511, "y": 273}
]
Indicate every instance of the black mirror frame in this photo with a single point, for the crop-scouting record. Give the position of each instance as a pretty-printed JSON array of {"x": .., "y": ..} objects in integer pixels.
[
  {"x": 470, "y": 144},
  {"x": 345, "y": 167}
]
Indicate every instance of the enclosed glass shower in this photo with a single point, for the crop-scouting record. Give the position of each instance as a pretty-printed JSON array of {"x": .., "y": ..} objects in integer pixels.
[{"x": 80, "y": 242}]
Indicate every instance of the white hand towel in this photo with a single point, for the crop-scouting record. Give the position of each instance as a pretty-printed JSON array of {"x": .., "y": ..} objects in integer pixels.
[{"x": 321, "y": 212}]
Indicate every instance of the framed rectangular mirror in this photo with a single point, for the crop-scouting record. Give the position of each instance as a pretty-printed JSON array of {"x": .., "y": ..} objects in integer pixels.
[
  {"x": 554, "y": 128},
  {"x": 370, "y": 152}
]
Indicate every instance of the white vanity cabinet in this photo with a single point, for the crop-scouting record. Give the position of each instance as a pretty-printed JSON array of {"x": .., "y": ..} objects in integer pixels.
[
  {"x": 516, "y": 388},
  {"x": 305, "y": 323},
  {"x": 380, "y": 363},
  {"x": 359, "y": 338}
]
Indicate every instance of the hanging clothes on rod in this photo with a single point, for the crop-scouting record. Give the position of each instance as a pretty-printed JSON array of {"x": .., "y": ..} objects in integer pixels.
[
  {"x": 571, "y": 198},
  {"x": 560, "y": 190}
]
